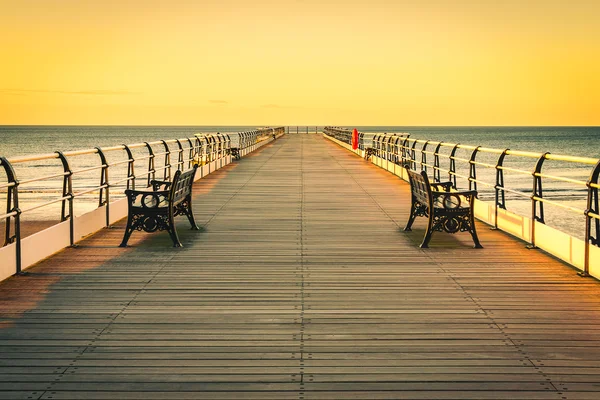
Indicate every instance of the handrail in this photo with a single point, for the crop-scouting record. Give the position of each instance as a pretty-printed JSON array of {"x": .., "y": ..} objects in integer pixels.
[
  {"x": 201, "y": 148},
  {"x": 413, "y": 152}
]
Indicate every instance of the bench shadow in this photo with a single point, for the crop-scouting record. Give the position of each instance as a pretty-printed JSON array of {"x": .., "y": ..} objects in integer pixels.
[{"x": 439, "y": 240}]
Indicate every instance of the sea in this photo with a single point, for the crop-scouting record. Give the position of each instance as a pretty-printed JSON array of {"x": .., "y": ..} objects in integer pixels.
[{"x": 573, "y": 141}]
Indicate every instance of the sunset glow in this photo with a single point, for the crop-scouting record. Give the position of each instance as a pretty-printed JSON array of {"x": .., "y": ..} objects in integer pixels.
[{"x": 376, "y": 62}]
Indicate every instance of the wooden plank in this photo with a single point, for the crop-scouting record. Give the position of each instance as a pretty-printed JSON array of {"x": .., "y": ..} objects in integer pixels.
[{"x": 301, "y": 284}]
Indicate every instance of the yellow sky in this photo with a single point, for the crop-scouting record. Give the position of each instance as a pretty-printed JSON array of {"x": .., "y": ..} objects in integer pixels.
[{"x": 363, "y": 62}]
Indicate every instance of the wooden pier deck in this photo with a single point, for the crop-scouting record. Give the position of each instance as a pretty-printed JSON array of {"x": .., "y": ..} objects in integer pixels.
[{"x": 301, "y": 285}]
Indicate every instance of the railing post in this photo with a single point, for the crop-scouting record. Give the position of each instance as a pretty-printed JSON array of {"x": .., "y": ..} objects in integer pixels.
[
  {"x": 213, "y": 147},
  {"x": 404, "y": 150},
  {"x": 130, "y": 168},
  {"x": 537, "y": 213},
  {"x": 413, "y": 156},
  {"x": 67, "y": 194},
  {"x": 473, "y": 170},
  {"x": 198, "y": 152},
  {"x": 424, "y": 156},
  {"x": 151, "y": 170},
  {"x": 228, "y": 144},
  {"x": 397, "y": 150},
  {"x": 167, "y": 169},
  {"x": 180, "y": 166},
  {"x": 12, "y": 206},
  {"x": 592, "y": 212},
  {"x": 103, "y": 182},
  {"x": 437, "y": 174},
  {"x": 452, "y": 169},
  {"x": 219, "y": 148},
  {"x": 499, "y": 195}
]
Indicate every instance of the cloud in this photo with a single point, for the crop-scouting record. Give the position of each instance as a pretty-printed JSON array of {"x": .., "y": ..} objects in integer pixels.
[
  {"x": 23, "y": 92},
  {"x": 218, "y": 101},
  {"x": 271, "y": 106}
]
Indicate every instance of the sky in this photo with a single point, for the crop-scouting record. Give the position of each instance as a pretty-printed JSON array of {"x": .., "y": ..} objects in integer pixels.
[{"x": 327, "y": 62}]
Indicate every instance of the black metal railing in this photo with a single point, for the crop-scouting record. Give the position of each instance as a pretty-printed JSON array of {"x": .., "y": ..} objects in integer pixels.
[
  {"x": 341, "y": 134},
  {"x": 466, "y": 164},
  {"x": 116, "y": 168}
]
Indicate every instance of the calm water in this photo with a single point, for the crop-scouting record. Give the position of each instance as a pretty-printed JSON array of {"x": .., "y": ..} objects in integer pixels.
[{"x": 579, "y": 141}]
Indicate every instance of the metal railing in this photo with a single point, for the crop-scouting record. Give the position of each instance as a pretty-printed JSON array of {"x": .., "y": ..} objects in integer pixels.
[
  {"x": 160, "y": 158},
  {"x": 449, "y": 160},
  {"x": 341, "y": 134},
  {"x": 302, "y": 129}
]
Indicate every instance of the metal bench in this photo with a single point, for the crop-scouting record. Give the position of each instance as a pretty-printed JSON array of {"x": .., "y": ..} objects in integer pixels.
[
  {"x": 446, "y": 210},
  {"x": 155, "y": 210},
  {"x": 235, "y": 152}
]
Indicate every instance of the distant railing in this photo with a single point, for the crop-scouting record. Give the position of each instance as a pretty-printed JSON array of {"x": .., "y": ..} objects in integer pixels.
[
  {"x": 116, "y": 166},
  {"x": 449, "y": 160},
  {"x": 302, "y": 129}
]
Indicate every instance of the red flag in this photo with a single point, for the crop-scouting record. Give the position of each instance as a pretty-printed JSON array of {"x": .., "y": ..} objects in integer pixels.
[{"x": 354, "y": 139}]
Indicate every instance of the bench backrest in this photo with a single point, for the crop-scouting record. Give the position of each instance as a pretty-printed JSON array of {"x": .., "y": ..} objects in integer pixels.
[
  {"x": 419, "y": 187},
  {"x": 181, "y": 187}
]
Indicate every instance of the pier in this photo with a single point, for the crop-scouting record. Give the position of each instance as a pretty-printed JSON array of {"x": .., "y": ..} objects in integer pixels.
[{"x": 300, "y": 284}]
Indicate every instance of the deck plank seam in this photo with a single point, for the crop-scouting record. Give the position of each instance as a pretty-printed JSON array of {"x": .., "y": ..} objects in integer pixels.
[
  {"x": 448, "y": 274},
  {"x": 426, "y": 335},
  {"x": 507, "y": 337},
  {"x": 366, "y": 192},
  {"x": 72, "y": 365},
  {"x": 237, "y": 192},
  {"x": 301, "y": 392}
]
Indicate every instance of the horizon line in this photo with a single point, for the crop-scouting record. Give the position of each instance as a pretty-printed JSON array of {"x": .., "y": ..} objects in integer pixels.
[{"x": 305, "y": 125}]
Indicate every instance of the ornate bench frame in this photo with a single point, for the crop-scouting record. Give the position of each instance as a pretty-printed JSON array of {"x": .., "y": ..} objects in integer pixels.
[
  {"x": 446, "y": 209},
  {"x": 235, "y": 152},
  {"x": 155, "y": 210}
]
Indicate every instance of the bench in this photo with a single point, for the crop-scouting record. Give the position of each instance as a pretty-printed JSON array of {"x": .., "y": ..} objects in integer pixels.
[
  {"x": 446, "y": 209},
  {"x": 155, "y": 210},
  {"x": 235, "y": 152}
]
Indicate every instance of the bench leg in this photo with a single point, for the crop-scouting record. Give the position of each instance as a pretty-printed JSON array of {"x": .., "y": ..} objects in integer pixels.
[
  {"x": 427, "y": 237},
  {"x": 190, "y": 214},
  {"x": 411, "y": 219},
  {"x": 174, "y": 237},
  {"x": 413, "y": 215},
  {"x": 474, "y": 233},
  {"x": 128, "y": 231},
  {"x": 185, "y": 208},
  {"x": 173, "y": 232}
]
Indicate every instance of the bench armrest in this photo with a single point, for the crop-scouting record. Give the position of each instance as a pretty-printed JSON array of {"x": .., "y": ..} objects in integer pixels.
[
  {"x": 147, "y": 198},
  {"x": 446, "y": 186},
  {"x": 452, "y": 200},
  {"x": 156, "y": 184}
]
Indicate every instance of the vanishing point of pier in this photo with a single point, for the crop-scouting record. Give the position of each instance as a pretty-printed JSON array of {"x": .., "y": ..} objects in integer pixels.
[{"x": 300, "y": 284}]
